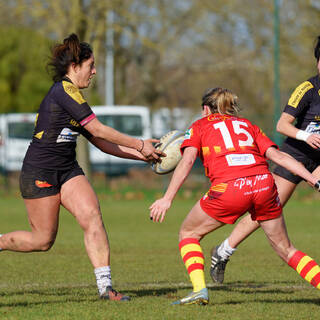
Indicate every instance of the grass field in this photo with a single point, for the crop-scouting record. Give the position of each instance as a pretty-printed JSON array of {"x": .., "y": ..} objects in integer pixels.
[{"x": 60, "y": 284}]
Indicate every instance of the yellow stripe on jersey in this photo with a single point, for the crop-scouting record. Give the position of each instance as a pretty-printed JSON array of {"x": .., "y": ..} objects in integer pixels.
[
  {"x": 39, "y": 135},
  {"x": 309, "y": 276},
  {"x": 73, "y": 92},
  {"x": 302, "y": 263},
  {"x": 298, "y": 93},
  {"x": 217, "y": 149},
  {"x": 205, "y": 151},
  {"x": 190, "y": 247}
]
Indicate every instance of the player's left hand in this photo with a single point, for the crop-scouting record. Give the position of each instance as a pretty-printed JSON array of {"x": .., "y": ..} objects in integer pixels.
[{"x": 158, "y": 209}]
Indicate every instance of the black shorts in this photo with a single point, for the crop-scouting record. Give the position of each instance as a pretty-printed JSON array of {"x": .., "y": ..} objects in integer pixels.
[
  {"x": 309, "y": 164},
  {"x": 39, "y": 183}
]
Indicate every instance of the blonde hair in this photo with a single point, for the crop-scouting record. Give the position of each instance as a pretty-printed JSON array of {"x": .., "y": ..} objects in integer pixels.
[{"x": 221, "y": 100}]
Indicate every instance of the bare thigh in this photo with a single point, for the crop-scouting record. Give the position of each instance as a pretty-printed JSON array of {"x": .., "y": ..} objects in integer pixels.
[
  {"x": 78, "y": 197},
  {"x": 197, "y": 224},
  {"x": 43, "y": 213},
  {"x": 285, "y": 188},
  {"x": 43, "y": 216}
]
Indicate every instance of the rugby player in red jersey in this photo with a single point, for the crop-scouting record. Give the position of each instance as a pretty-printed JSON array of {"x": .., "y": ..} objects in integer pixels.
[{"x": 234, "y": 153}]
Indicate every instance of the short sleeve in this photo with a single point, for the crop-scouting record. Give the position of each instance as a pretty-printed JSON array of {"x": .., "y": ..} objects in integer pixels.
[
  {"x": 300, "y": 99},
  {"x": 262, "y": 141},
  {"x": 73, "y": 102},
  {"x": 192, "y": 138}
]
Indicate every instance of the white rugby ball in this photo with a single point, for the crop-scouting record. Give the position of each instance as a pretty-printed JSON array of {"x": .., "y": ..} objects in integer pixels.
[{"x": 170, "y": 144}]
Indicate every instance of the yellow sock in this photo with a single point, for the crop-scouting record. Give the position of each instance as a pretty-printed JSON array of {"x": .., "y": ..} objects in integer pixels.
[{"x": 193, "y": 259}]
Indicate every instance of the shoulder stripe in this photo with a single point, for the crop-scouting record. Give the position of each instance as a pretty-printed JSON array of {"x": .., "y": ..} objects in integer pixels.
[
  {"x": 73, "y": 92},
  {"x": 298, "y": 93}
]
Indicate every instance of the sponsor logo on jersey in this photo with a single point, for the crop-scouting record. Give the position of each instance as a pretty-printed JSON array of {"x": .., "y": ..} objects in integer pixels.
[
  {"x": 298, "y": 93},
  {"x": 188, "y": 134},
  {"x": 313, "y": 127},
  {"x": 73, "y": 92},
  {"x": 42, "y": 184},
  {"x": 67, "y": 135},
  {"x": 240, "y": 159},
  {"x": 74, "y": 123}
]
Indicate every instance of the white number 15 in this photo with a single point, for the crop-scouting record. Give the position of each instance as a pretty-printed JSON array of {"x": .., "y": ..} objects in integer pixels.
[{"x": 237, "y": 130}]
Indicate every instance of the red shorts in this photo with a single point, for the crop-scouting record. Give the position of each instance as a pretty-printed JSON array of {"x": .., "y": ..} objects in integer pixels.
[{"x": 228, "y": 201}]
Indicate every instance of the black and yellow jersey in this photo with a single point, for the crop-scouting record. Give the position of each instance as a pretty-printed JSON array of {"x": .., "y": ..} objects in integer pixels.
[
  {"x": 304, "y": 105},
  {"x": 61, "y": 117}
]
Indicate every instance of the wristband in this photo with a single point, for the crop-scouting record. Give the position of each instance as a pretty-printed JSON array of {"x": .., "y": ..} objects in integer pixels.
[
  {"x": 317, "y": 185},
  {"x": 303, "y": 135}
]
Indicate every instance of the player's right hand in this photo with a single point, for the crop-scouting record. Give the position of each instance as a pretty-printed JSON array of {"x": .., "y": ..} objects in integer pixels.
[
  {"x": 314, "y": 140},
  {"x": 159, "y": 209}
]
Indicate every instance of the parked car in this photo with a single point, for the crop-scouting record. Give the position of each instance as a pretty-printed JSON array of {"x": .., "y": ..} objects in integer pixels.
[{"x": 16, "y": 130}]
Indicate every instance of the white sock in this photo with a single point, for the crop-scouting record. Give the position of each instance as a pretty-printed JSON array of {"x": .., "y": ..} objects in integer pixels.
[
  {"x": 0, "y": 236},
  {"x": 224, "y": 250},
  {"x": 103, "y": 277}
]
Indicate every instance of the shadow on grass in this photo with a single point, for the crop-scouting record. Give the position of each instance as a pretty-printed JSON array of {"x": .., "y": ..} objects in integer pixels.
[
  {"x": 74, "y": 295},
  {"x": 259, "y": 289},
  {"x": 81, "y": 294}
]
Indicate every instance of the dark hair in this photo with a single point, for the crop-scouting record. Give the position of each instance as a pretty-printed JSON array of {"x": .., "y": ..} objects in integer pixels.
[
  {"x": 70, "y": 51},
  {"x": 221, "y": 100},
  {"x": 317, "y": 49}
]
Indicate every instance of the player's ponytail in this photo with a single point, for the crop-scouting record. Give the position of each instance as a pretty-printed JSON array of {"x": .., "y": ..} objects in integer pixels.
[
  {"x": 70, "y": 51},
  {"x": 221, "y": 100}
]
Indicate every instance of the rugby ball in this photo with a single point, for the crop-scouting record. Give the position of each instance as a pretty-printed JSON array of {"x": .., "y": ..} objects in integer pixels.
[{"x": 169, "y": 144}]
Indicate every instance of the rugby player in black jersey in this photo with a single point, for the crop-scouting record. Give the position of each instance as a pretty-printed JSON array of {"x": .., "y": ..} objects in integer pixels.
[
  {"x": 51, "y": 177},
  {"x": 300, "y": 122}
]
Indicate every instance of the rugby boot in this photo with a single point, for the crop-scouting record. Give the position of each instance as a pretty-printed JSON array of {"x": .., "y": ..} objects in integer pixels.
[
  {"x": 111, "y": 294},
  {"x": 218, "y": 266},
  {"x": 200, "y": 297}
]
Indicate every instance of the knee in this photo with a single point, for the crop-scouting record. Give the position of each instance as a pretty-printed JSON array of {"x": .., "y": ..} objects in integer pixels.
[
  {"x": 44, "y": 244},
  {"x": 184, "y": 233},
  {"x": 91, "y": 220}
]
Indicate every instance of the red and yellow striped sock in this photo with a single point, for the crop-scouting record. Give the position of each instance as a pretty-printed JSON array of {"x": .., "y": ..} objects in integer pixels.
[
  {"x": 306, "y": 267},
  {"x": 193, "y": 259}
]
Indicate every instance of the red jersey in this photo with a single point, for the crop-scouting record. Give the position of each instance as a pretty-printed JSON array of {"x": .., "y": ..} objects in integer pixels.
[{"x": 229, "y": 147}]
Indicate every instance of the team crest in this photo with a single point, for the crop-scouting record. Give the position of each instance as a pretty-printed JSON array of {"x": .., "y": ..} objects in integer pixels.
[{"x": 188, "y": 134}]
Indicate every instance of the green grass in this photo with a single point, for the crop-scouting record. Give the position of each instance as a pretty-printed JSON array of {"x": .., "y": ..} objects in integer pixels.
[{"x": 146, "y": 264}]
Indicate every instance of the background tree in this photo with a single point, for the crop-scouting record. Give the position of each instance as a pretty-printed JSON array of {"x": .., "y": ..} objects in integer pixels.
[{"x": 168, "y": 51}]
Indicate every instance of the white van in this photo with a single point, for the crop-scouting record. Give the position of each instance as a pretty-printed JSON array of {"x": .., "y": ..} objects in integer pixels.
[
  {"x": 16, "y": 130},
  {"x": 131, "y": 120}
]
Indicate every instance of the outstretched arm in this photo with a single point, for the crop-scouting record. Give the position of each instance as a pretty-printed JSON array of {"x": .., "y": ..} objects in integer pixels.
[
  {"x": 117, "y": 150},
  {"x": 159, "y": 208},
  {"x": 285, "y": 160},
  {"x": 145, "y": 147}
]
